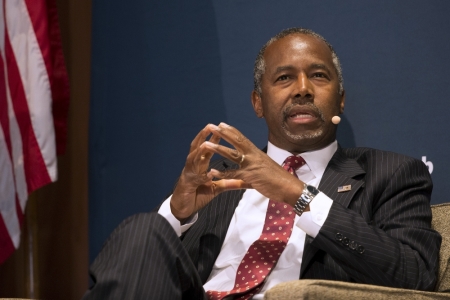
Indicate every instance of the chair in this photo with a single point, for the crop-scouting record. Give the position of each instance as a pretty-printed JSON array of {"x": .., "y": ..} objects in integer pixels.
[{"x": 326, "y": 289}]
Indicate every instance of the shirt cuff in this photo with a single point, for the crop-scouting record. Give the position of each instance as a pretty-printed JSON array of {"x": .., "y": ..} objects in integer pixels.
[
  {"x": 166, "y": 212},
  {"x": 312, "y": 221}
]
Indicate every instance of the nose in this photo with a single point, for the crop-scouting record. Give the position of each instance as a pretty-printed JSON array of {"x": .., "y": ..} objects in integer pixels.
[{"x": 304, "y": 88}]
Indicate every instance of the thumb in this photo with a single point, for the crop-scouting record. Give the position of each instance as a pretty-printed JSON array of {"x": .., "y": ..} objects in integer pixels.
[
  {"x": 224, "y": 185},
  {"x": 227, "y": 174}
]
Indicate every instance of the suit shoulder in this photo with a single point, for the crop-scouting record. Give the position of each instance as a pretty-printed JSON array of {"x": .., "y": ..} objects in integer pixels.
[
  {"x": 360, "y": 152},
  {"x": 380, "y": 157}
]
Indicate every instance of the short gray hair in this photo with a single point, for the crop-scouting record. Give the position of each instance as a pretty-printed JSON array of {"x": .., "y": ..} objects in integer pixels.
[{"x": 260, "y": 64}]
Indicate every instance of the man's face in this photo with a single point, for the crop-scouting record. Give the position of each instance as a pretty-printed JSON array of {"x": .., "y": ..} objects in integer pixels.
[{"x": 299, "y": 94}]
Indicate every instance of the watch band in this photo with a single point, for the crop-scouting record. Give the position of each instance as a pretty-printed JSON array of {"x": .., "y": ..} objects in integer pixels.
[{"x": 308, "y": 194}]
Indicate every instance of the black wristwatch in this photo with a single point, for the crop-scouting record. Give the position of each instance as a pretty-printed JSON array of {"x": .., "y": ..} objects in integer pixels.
[{"x": 308, "y": 194}]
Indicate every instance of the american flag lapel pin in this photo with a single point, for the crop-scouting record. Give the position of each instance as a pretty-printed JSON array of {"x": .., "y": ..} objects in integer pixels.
[{"x": 344, "y": 188}]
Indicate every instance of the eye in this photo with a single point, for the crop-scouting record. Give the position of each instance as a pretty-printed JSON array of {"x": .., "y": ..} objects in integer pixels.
[
  {"x": 320, "y": 75},
  {"x": 283, "y": 77}
]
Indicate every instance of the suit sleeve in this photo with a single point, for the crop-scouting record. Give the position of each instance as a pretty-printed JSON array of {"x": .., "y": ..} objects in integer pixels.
[{"x": 397, "y": 246}]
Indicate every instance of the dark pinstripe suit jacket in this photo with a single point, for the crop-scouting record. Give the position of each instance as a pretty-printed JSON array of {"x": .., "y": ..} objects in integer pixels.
[{"x": 376, "y": 233}]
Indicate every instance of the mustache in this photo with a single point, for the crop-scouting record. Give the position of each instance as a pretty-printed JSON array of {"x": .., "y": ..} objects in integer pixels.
[{"x": 310, "y": 105}]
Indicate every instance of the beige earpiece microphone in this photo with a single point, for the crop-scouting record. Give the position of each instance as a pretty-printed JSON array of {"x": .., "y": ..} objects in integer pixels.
[{"x": 335, "y": 120}]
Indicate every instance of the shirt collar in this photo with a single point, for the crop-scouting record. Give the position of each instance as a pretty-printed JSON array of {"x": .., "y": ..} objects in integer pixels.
[{"x": 316, "y": 160}]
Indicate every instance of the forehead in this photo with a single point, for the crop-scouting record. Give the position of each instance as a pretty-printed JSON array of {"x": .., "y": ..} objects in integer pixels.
[{"x": 297, "y": 48}]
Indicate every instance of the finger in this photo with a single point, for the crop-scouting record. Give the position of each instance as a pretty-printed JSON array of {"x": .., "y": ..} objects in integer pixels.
[
  {"x": 198, "y": 160},
  {"x": 196, "y": 163},
  {"x": 214, "y": 138},
  {"x": 201, "y": 136},
  {"x": 206, "y": 156},
  {"x": 231, "y": 154},
  {"x": 203, "y": 155},
  {"x": 233, "y": 136}
]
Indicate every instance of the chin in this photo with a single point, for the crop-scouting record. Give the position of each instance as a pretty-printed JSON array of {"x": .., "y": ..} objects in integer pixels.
[{"x": 304, "y": 136}]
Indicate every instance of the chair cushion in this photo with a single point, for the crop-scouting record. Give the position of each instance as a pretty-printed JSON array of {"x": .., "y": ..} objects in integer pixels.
[
  {"x": 330, "y": 290},
  {"x": 441, "y": 223},
  {"x": 324, "y": 289}
]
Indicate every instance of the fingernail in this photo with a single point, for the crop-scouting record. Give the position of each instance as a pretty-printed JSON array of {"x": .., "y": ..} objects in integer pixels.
[
  {"x": 224, "y": 124},
  {"x": 212, "y": 126},
  {"x": 214, "y": 173},
  {"x": 210, "y": 144}
]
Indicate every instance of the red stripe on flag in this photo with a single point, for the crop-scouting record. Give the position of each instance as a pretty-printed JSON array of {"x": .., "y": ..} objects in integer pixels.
[
  {"x": 4, "y": 123},
  {"x": 44, "y": 17},
  {"x": 6, "y": 245},
  {"x": 35, "y": 170}
]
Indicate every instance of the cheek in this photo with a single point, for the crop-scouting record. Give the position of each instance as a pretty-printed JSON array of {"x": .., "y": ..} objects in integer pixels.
[
  {"x": 329, "y": 107},
  {"x": 273, "y": 111}
]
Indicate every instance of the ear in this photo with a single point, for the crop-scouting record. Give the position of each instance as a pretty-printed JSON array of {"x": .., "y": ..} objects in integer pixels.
[
  {"x": 257, "y": 104},
  {"x": 342, "y": 103}
]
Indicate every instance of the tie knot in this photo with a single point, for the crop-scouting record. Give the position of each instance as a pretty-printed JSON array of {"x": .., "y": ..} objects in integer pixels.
[{"x": 293, "y": 162}]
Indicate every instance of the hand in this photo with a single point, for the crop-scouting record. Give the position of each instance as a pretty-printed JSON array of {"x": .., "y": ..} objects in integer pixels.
[
  {"x": 195, "y": 187},
  {"x": 257, "y": 170}
]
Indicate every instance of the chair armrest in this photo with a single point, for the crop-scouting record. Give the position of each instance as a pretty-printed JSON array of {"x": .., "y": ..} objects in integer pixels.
[{"x": 330, "y": 290}]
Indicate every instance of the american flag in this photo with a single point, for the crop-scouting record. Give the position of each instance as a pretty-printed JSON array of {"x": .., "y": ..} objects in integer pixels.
[{"x": 34, "y": 98}]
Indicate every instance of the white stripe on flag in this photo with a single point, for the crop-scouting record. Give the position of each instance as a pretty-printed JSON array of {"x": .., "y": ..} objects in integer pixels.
[
  {"x": 34, "y": 78},
  {"x": 7, "y": 191}
]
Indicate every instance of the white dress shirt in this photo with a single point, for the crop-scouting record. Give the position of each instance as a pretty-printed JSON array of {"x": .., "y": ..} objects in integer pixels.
[{"x": 248, "y": 220}]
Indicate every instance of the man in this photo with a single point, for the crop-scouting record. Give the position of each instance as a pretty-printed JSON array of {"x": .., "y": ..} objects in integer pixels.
[{"x": 358, "y": 215}]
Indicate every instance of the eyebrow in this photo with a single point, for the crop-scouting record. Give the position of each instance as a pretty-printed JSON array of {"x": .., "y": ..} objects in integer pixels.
[
  {"x": 312, "y": 66},
  {"x": 284, "y": 68},
  {"x": 321, "y": 66}
]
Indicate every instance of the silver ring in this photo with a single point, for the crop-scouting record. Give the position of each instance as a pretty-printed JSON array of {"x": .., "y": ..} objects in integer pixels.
[{"x": 242, "y": 159}]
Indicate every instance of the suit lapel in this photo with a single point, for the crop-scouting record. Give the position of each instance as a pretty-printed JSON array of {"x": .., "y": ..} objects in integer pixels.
[{"x": 341, "y": 171}]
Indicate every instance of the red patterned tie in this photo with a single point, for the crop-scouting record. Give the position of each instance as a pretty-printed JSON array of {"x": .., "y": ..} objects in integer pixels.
[{"x": 264, "y": 253}]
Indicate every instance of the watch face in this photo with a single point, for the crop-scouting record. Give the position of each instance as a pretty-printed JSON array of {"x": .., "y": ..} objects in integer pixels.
[{"x": 312, "y": 189}]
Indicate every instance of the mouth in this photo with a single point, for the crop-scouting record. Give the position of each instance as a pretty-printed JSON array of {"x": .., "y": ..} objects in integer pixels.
[{"x": 301, "y": 114}]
